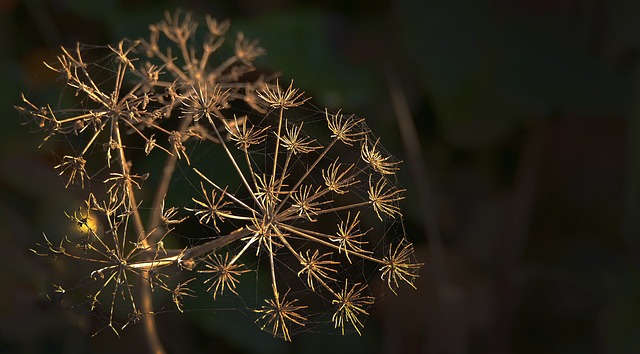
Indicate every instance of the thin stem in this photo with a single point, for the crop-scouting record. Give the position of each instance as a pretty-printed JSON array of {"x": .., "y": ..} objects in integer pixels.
[
  {"x": 325, "y": 211},
  {"x": 246, "y": 247},
  {"x": 105, "y": 284},
  {"x": 167, "y": 60},
  {"x": 93, "y": 138},
  {"x": 211, "y": 46},
  {"x": 301, "y": 260},
  {"x": 182, "y": 43},
  {"x": 289, "y": 247},
  {"x": 154, "y": 126},
  {"x": 222, "y": 67},
  {"x": 273, "y": 271},
  {"x": 82, "y": 116},
  {"x": 131, "y": 91},
  {"x": 307, "y": 234},
  {"x": 313, "y": 165},
  {"x": 118, "y": 84},
  {"x": 249, "y": 165},
  {"x": 73, "y": 256},
  {"x": 205, "y": 57},
  {"x": 233, "y": 160},
  {"x": 284, "y": 171},
  {"x": 275, "y": 157},
  {"x": 231, "y": 196},
  {"x": 82, "y": 66},
  {"x": 137, "y": 220}
]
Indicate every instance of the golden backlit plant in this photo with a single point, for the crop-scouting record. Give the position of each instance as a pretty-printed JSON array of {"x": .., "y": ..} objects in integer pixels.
[{"x": 315, "y": 203}]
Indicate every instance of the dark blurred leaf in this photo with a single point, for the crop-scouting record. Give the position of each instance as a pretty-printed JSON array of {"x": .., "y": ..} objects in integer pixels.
[
  {"x": 93, "y": 9},
  {"x": 490, "y": 72},
  {"x": 305, "y": 47},
  {"x": 134, "y": 23},
  {"x": 620, "y": 316}
]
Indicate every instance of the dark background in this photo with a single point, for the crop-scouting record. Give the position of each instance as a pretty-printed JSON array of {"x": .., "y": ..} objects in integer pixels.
[{"x": 528, "y": 113}]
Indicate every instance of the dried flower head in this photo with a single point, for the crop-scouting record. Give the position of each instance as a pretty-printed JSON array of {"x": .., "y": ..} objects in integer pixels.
[
  {"x": 338, "y": 181},
  {"x": 204, "y": 102},
  {"x": 292, "y": 185},
  {"x": 278, "y": 98},
  {"x": 348, "y": 130},
  {"x": 317, "y": 268},
  {"x": 384, "y": 199},
  {"x": 279, "y": 314},
  {"x": 244, "y": 135},
  {"x": 351, "y": 303},
  {"x": 223, "y": 274},
  {"x": 373, "y": 156},
  {"x": 180, "y": 292},
  {"x": 307, "y": 195},
  {"x": 349, "y": 236},
  {"x": 75, "y": 168},
  {"x": 399, "y": 266},
  {"x": 212, "y": 208}
]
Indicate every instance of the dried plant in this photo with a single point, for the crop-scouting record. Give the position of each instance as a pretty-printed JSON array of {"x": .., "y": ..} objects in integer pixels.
[{"x": 315, "y": 200}]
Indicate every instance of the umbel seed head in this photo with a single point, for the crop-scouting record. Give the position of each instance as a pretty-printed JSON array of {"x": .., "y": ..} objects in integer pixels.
[{"x": 203, "y": 176}]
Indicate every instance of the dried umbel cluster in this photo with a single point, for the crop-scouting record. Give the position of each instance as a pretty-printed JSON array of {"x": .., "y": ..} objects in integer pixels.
[{"x": 315, "y": 205}]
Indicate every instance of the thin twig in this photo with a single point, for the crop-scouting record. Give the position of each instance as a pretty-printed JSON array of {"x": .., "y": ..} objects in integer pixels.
[
  {"x": 514, "y": 238},
  {"x": 449, "y": 298},
  {"x": 418, "y": 170}
]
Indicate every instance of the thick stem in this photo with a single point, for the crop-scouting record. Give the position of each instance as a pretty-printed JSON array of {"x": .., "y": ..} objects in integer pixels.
[
  {"x": 177, "y": 255},
  {"x": 149, "y": 323},
  {"x": 163, "y": 187},
  {"x": 197, "y": 251}
]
